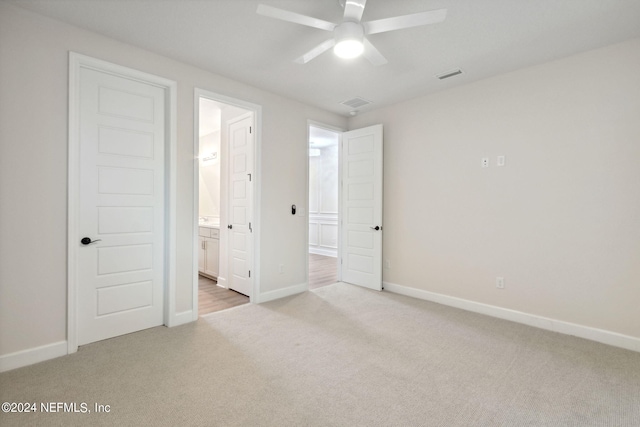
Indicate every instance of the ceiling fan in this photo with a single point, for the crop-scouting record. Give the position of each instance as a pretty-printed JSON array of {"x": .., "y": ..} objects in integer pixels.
[{"x": 349, "y": 39}]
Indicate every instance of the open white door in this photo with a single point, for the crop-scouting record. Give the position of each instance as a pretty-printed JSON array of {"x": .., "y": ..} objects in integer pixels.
[
  {"x": 240, "y": 204},
  {"x": 361, "y": 240},
  {"x": 121, "y": 206}
]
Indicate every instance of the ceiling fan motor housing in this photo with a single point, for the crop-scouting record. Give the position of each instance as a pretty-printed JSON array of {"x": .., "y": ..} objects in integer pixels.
[
  {"x": 349, "y": 31},
  {"x": 348, "y": 37}
]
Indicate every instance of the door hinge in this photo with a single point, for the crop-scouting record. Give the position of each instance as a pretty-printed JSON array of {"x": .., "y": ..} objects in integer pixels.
[
  {"x": 249, "y": 177},
  {"x": 249, "y": 273},
  {"x": 250, "y": 229},
  {"x": 249, "y": 129},
  {"x": 340, "y": 261}
]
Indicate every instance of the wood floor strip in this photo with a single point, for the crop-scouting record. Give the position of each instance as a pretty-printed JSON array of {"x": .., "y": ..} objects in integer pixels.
[
  {"x": 323, "y": 271},
  {"x": 212, "y": 298}
]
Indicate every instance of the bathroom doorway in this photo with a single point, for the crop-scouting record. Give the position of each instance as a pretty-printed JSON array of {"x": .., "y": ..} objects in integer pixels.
[
  {"x": 224, "y": 240},
  {"x": 324, "y": 205}
]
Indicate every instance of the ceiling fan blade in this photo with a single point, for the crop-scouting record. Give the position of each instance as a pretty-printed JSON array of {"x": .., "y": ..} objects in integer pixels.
[
  {"x": 296, "y": 18},
  {"x": 405, "y": 21},
  {"x": 353, "y": 10},
  {"x": 372, "y": 54},
  {"x": 321, "y": 48}
]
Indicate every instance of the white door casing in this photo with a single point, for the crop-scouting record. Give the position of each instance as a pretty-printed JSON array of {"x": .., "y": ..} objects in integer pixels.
[
  {"x": 120, "y": 155},
  {"x": 361, "y": 242},
  {"x": 240, "y": 227}
]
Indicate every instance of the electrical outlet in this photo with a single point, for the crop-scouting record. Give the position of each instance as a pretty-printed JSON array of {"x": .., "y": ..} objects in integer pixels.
[
  {"x": 281, "y": 269},
  {"x": 500, "y": 161},
  {"x": 500, "y": 282},
  {"x": 485, "y": 162}
]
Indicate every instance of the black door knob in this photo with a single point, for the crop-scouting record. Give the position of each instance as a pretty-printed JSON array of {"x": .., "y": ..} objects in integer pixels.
[
  {"x": 229, "y": 226},
  {"x": 88, "y": 241},
  {"x": 375, "y": 228}
]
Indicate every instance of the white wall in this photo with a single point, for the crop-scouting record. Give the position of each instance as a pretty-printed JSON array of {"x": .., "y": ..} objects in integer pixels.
[
  {"x": 209, "y": 188},
  {"x": 561, "y": 221},
  {"x": 33, "y": 171}
]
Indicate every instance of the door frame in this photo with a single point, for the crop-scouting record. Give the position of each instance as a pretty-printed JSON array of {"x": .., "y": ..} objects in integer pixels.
[
  {"x": 340, "y": 131},
  {"x": 257, "y": 142},
  {"x": 76, "y": 63}
]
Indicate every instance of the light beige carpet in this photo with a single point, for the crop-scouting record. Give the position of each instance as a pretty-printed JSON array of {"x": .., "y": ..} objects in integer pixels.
[{"x": 338, "y": 356}]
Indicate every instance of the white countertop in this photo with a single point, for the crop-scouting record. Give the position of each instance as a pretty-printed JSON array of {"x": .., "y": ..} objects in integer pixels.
[{"x": 209, "y": 225}]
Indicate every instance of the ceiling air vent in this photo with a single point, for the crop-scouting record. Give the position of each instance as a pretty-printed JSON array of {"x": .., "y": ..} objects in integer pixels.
[
  {"x": 449, "y": 74},
  {"x": 355, "y": 102}
]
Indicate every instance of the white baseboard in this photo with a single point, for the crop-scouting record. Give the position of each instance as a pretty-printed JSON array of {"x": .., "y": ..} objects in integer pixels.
[
  {"x": 326, "y": 252},
  {"x": 208, "y": 276},
  {"x": 281, "y": 293},
  {"x": 183, "y": 317},
  {"x": 222, "y": 282},
  {"x": 32, "y": 355},
  {"x": 593, "y": 334},
  {"x": 51, "y": 351}
]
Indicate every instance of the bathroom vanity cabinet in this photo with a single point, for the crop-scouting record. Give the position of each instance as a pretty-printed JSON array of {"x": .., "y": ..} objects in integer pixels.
[{"x": 209, "y": 251}]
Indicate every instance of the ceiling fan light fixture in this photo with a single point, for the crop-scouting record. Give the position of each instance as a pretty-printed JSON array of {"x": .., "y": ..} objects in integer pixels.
[
  {"x": 349, "y": 49},
  {"x": 348, "y": 39},
  {"x": 349, "y": 36}
]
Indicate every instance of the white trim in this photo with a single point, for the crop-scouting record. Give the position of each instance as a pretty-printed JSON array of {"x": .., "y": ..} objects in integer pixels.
[
  {"x": 324, "y": 216},
  {"x": 333, "y": 253},
  {"x": 73, "y": 182},
  {"x": 76, "y": 62},
  {"x": 321, "y": 247},
  {"x": 222, "y": 282},
  {"x": 32, "y": 355},
  {"x": 281, "y": 293},
  {"x": 340, "y": 207},
  {"x": 171, "y": 245},
  {"x": 257, "y": 141},
  {"x": 560, "y": 326},
  {"x": 196, "y": 203},
  {"x": 183, "y": 317}
]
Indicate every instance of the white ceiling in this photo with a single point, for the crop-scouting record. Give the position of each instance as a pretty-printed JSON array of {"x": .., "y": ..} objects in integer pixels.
[{"x": 482, "y": 37}]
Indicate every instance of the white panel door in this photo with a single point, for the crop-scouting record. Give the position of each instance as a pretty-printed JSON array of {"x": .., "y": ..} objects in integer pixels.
[
  {"x": 240, "y": 204},
  {"x": 361, "y": 241},
  {"x": 121, "y": 206}
]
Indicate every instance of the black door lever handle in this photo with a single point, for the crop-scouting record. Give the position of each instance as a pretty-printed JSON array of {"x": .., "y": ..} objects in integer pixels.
[{"x": 87, "y": 241}]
